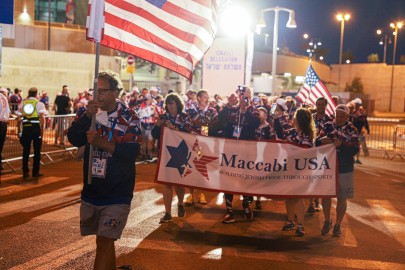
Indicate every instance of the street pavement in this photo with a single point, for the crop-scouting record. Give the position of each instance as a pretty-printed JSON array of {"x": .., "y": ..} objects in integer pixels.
[{"x": 39, "y": 227}]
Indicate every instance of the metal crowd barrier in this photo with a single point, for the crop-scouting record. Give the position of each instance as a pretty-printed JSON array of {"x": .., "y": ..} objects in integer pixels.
[
  {"x": 52, "y": 147},
  {"x": 388, "y": 136}
]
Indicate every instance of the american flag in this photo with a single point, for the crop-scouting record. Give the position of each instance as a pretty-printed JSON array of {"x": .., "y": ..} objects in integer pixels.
[
  {"x": 173, "y": 34},
  {"x": 313, "y": 89}
]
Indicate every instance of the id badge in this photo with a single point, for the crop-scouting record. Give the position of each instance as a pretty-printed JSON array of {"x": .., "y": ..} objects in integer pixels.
[
  {"x": 204, "y": 130},
  {"x": 236, "y": 131},
  {"x": 98, "y": 167}
]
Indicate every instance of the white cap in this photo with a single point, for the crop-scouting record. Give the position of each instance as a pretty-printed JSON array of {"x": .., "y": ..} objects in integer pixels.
[
  {"x": 282, "y": 102},
  {"x": 357, "y": 101},
  {"x": 343, "y": 108},
  {"x": 3, "y": 90},
  {"x": 153, "y": 88},
  {"x": 135, "y": 89}
]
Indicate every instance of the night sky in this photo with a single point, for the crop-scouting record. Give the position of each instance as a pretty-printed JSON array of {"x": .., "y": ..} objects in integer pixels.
[{"x": 318, "y": 18}]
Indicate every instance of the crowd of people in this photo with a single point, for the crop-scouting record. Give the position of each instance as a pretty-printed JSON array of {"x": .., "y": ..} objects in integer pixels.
[
  {"x": 130, "y": 124},
  {"x": 243, "y": 116}
]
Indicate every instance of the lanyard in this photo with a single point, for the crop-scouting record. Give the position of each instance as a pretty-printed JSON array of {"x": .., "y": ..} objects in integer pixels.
[{"x": 110, "y": 133}]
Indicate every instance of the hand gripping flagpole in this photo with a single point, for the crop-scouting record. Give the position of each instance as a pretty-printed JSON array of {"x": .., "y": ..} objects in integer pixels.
[{"x": 95, "y": 25}]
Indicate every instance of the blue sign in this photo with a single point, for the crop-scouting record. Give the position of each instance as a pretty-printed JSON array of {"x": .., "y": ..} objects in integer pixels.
[{"x": 6, "y": 11}]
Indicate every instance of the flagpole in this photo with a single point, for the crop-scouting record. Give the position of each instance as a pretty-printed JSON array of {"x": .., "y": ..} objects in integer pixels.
[
  {"x": 309, "y": 94},
  {"x": 93, "y": 118},
  {"x": 95, "y": 25}
]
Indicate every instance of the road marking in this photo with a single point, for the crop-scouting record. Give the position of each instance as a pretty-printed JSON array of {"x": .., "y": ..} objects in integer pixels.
[
  {"x": 291, "y": 257},
  {"x": 214, "y": 254},
  {"x": 24, "y": 185},
  {"x": 390, "y": 221},
  {"x": 396, "y": 180},
  {"x": 390, "y": 217},
  {"x": 379, "y": 169},
  {"x": 59, "y": 257},
  {"x": 31, "y": 202},
  {"x": 368, "y": 171},
  {"x": 66, "y": 212},
  {"x": 151, "y": 208},
  {"x": 347, "y": 234}
]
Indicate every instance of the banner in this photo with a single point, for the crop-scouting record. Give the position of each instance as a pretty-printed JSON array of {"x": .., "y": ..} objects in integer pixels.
[{"x": 275, "y": 169}]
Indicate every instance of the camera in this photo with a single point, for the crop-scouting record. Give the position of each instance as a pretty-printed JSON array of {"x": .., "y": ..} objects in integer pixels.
[
  {"x": 241, "y": 90},
  {"x": 273, "y": 108},
  {"x": 163, "y": 117}
]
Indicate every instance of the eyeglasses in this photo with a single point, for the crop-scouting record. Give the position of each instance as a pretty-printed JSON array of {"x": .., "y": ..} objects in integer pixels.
[{"x": 103, "y": 91}]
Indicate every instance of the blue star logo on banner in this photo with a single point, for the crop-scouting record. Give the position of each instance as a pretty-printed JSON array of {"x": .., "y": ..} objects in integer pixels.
[{"x": 179, "y": 157}]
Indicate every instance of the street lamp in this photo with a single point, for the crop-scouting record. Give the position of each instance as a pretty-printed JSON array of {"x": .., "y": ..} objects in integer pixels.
[
  {"x": 384, "y": 41},
  {"x": 290, "y": 24},
  {"x": 396, "y": 27},
  {"x": 342, "y": 18}
]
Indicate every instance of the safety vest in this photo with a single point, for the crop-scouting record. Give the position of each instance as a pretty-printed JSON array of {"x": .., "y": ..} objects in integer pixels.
[{"x": 30, "y": 112}]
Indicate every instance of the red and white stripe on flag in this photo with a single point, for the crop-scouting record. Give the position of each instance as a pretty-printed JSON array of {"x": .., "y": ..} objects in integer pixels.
[
  {"x": 310, "y": 95},
  {"x": 173, "y": 34},
  {"x": 313, "y": 89}
]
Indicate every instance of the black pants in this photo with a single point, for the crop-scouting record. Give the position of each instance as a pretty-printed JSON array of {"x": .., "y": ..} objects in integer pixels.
[
  {"x": 3, "y": 133},
  {"x": 31, "y": 134},
  {"x": 229, "y": 199}
]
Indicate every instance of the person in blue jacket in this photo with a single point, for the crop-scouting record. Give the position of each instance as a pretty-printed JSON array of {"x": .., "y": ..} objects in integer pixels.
[{"x": 106, "y": 200}]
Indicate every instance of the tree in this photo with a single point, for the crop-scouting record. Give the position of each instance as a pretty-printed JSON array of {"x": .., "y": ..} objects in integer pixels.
[
  {"x": 402, "y": 59},
  {"x": 373, "y": 58},
  {"x": 355, "y": 87},
  {"x": 348, "y": 55}
]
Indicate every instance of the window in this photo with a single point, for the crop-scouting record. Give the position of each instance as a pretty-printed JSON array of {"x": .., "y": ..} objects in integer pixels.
[{"x": 60, "y": 10}]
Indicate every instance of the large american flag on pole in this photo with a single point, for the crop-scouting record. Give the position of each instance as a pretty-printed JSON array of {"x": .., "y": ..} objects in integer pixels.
[
  {"x": 174, "y": 34},
  {"x": 313, "y": 89}
]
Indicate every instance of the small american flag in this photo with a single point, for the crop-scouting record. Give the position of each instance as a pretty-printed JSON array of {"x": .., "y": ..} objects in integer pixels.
[
  {"x": 313, "y": 89},
  {"x": 173, "y": 34}
]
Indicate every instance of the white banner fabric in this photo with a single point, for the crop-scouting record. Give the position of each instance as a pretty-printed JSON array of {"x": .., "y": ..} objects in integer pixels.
[{"x": 275, "y": 169}]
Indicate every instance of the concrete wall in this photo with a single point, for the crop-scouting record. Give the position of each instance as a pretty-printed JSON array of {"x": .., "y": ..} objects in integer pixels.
[
  {"x": 49, "y": 70},
  {"x": 376, "y": 79},
  {"x": 296, "y": 65}
]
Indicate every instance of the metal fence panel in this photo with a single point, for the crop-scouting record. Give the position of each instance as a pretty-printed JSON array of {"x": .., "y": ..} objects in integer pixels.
[{"x": 13, "y": 150}]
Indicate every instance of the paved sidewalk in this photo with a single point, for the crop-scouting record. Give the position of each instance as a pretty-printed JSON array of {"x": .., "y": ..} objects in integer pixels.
[{"x": 376, "y": 160}]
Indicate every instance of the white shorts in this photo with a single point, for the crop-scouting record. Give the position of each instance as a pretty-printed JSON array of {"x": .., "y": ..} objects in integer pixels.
[
  {"x": 346, "y": 185},
  {"x": 107, "y": 220}
]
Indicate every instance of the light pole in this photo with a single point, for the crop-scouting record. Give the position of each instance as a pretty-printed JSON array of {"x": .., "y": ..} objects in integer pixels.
[
  {"x": 290, "y": 24},
  {"x": 342, "y": 18},
  {"x": 49, "y": 25},
  {"x": 380, "y": 32},
  {"x": 396, "y": 27}
]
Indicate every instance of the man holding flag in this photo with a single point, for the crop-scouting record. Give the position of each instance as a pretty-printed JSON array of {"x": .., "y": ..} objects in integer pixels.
[{"x": 162, "y": 32}]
